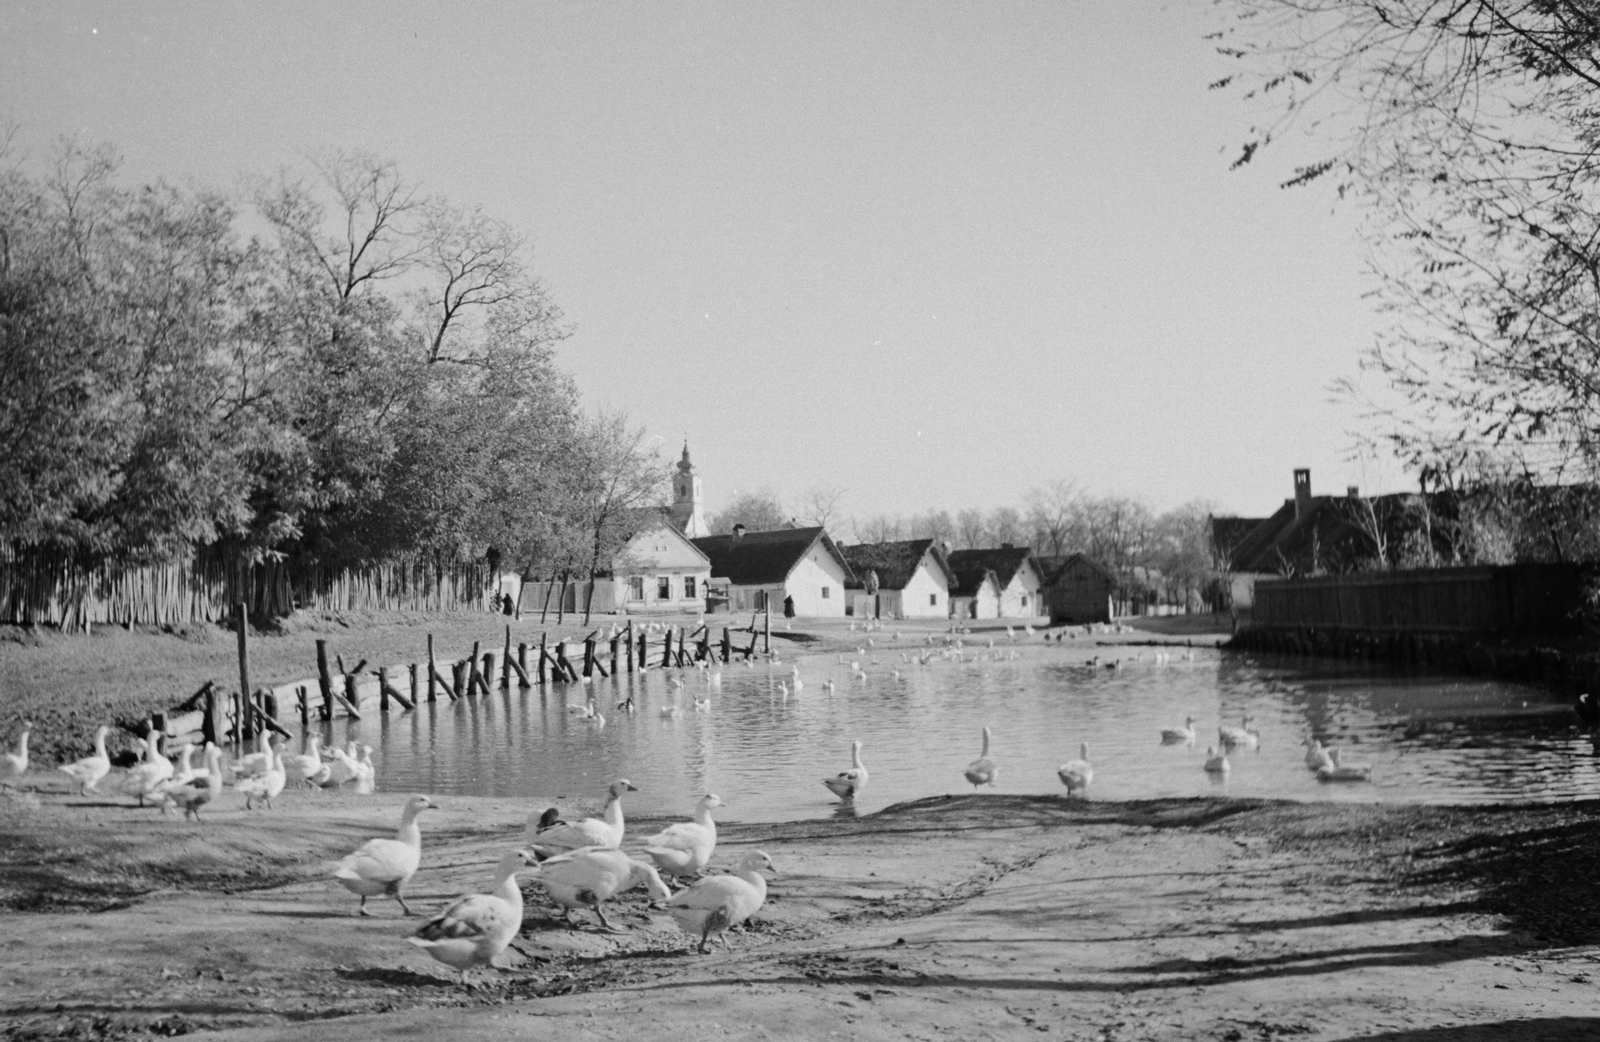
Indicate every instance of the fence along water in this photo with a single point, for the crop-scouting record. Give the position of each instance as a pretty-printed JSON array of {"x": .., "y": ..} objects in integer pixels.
[
  {"x": 204, "y": 586},
  {"x": 1526, "y": 599}
]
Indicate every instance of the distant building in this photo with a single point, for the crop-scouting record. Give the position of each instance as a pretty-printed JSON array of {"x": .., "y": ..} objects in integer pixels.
[
  {"x": 1016, "y": 577},
  {"x": 761, "y": 570},
  {"x": 660, "y": 570},
  {"x": 975, "y": 595},
  {"x": 688, "y": 503},
  {"x": 1078, "y": 589},
  {"x": 913, "y": 580}
]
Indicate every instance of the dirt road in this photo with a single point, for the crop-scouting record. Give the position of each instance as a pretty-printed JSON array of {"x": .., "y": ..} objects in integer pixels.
[{"x": 965, "y": 917}]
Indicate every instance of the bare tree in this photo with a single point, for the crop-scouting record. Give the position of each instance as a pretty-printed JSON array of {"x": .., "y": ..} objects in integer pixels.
[
  {"x": 971, "y": 530},
  {"x": 1055, "y": 517},
  {"x": 819, "y": 505},
  {"x": 1005, "y": 525}
]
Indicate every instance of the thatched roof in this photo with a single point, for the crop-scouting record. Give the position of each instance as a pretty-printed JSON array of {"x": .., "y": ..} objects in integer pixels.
[
  {"x": 894, "y": 562},
  {"x": 764, "y": 558},
  {"x": 970, "y": 565}
]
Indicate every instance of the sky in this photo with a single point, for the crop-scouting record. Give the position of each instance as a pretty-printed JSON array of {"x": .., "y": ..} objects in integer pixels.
[{"x": 934, "y": 254}]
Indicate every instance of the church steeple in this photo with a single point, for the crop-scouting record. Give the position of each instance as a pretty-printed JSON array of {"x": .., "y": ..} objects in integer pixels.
[{"x": 686, "y": 499}]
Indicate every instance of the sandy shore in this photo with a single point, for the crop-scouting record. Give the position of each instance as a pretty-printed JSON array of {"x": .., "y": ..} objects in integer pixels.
[{"x": 964, "y": 917}]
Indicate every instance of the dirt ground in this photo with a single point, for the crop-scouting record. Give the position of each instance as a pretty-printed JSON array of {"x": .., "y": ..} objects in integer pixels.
[{"x": 955, "y": 917}]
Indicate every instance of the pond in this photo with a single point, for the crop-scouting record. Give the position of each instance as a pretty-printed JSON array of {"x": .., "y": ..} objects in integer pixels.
[{"x": 1429, "y": 738}]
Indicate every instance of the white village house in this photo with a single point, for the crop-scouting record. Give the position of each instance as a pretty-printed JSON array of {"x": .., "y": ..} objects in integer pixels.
[
  {"x": 660, "y": 569},
  {"x": 763, "y": 570},
  {"x": 1016, "y": 579},
  {"x": 913, "y": 580}
]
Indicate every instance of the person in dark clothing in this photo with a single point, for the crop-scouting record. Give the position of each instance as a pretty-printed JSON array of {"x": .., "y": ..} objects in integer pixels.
[{"x": 788, "y": 607}]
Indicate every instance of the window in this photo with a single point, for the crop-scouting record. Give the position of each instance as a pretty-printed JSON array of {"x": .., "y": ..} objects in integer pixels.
[
  {"x": 636, "y": 588},
  {"x": 1024, "y": 600},
  {"x": 825, "y": 592},
  {"x": 688, "y": 587},
  {"x": 663, "y": 588},
  {"x": 933, "y": 600}
]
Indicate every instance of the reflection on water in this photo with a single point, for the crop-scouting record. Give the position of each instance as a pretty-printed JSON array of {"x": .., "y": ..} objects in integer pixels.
[{"x": 1429, "y": 738}]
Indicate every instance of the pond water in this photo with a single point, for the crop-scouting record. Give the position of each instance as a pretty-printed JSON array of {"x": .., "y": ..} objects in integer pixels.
[{"x": 1430, "y": 739}]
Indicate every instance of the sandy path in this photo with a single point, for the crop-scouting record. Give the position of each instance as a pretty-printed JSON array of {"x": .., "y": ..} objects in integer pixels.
[{"x": 969, "y": 917}]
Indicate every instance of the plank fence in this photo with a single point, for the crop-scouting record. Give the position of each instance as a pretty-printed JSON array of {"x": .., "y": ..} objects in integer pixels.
[
  {"x": 203, "y": 587},
  {"x": 1523, "y": 599}
]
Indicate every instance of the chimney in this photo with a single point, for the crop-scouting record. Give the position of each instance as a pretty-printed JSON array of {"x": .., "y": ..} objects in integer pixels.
[
  {"x": 1353, "y": 491},
  {"x": 1302, "y": 491},
  {"x": 738, "y": 532}
]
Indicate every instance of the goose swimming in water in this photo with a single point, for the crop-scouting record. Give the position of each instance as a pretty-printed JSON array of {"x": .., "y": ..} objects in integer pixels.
[
  {"x": 983, "y": 770},
  {"x": 846, "y": 784},
  {"x": 1077, "y": 774},
  {"x": 1244, "y": 737},
  {"x": 1336, "y": 770},
  {"x": 1217, "y": 763},
  {"x": 1179, "y": 735}
]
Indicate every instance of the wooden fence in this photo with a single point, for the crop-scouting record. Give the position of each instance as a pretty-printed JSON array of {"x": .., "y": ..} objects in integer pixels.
[
  {"x": 535, "y": 595},
  {"x": 203, "y": 587},
  {"x": 1528, "y": 599}
]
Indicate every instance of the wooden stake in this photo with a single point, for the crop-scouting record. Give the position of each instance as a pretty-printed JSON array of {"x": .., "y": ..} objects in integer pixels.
[
  {"x": 433, "y": 673},
  {"x": 414, "y": 683},
  {"x": 522, "y": 664},
  {"x": 474, "y": 680},
  {"x": 383, "y": 689},
  {"x": 242, "y": 622},
  {"x": 324, "y": 680},
  {"x": 305, "y": 706},
  {"x": 505, "y": 669}
]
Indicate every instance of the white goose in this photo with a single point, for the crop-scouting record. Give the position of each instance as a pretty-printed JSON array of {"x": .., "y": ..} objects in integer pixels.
[
  {"x": 183, "y": 773},
  {"x": 1217, "y": 763},
  {"x": 478, "y": 927},
  {"x": 685, "y": 849},
  {"x": 716, "y": 904},
  {"x": 202, "y": 787},
  {"x": 17, "y": 763},
  {"x": 143, "y": 779},
  {"x": 591, "y": 876},
  {"x": 1337, "y": 770},
  {"x": 1316, "y": 755},
  {"x": 983, "y": 770},
  {"x": 342, "y": 768},
  {"x": 366, "y": 771},
  {"x": 604, "y": 831},
  {"x": 1077, "y": 774},
  {"x": 301, "y": 768},
  {"x": 846, "y": 784},
  {"x": 265, "y": 786},
  {"x": 383, "y": 866},
  {"x": 1243, "y": 737},
  {"x": 1179, "y": 735},
  {"x": 89, "y": 771}
]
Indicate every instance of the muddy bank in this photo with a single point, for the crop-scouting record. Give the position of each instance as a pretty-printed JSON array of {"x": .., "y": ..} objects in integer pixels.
[{"x": 970, "y": 917}]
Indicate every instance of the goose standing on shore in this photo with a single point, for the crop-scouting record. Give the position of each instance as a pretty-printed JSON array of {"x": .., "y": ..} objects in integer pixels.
[
  {"x": 983, "y": 770},
  {"x": 685, "y": 849},
  {"x": 591, "y": 876},
  {"x": 143, "y": 779},
  {"x": 16, "y": 763},
  {"x": 478, "y": 927},
  {"x": 265, "y": 786},
  {"x": 1077, "y": 774},
  {"x": 846, "y": 784},
  {"x": 716, "y": 904},
  {"x": 89, "y": 771},
  {"x": 604, "y": 831},
  {"x": 383, "y": 866}
]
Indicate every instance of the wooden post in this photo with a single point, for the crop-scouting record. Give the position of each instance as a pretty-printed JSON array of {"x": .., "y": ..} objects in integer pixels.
[
  {"x": 383, "y": 689},
  {"x": 766, "y": 632},
  {"x": 305, "y": 707},
  {"x": 486, "y": 681},
  {"x": 433, "y": 673},
  {"x": 241, "y": 621},
  {"x": 543, "y": 656},
  {"x": 628, "y": 647},
  {"x": 727, "y": 644},
  {"x": 387, "y": 692},
  {"x": 214, "y": 730},
  {"x": 588, "y": 655},
  {"x": 522, "y": 664},
  {"x": 414, "y": 683},
  {"x": 233, "y": 711},
  {"x": 325, "y": 680},
  {"x": 505, "y": 667},
  {"x": 473, "y": 679},
  {"x": 666, "y": 649},
  {"x": 455, "y": 679},
  {"x": 351, "y": 705},
  {"x": 614, "y": 641},
  {"x": 644, "y": 637},
  {"x": 269, "y": 704}
]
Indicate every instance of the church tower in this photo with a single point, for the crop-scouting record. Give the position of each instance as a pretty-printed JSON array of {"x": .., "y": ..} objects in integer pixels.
[{"x": 686, "y": 499}]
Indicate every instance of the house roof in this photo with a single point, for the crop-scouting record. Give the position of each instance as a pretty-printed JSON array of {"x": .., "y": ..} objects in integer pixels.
[
  {"x": 1227, "y": 533},
  {"x": 1296, "y": 538},
  {"x": 1053, "y": 568},
  {"x": 894, "y": 562},
  {"x": 764, "y": 558},
  {"x": 968, "y": 566}
]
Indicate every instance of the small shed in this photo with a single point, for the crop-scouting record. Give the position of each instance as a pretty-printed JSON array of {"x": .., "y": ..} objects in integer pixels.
[{"x": 1077, "y": 589}]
